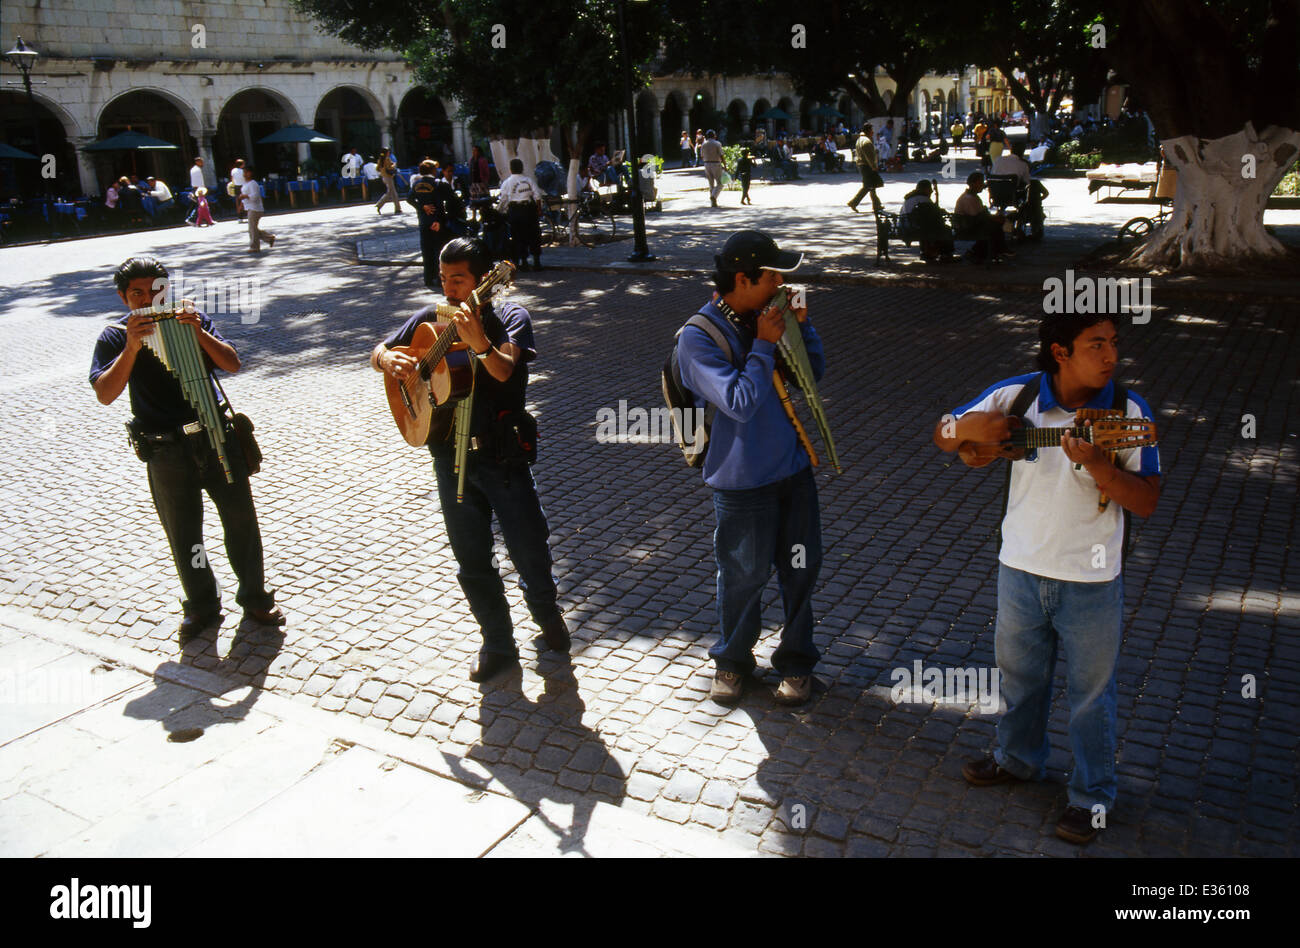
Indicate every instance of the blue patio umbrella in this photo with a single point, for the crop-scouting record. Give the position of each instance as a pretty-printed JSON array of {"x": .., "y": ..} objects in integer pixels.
[
  {"x": 130, "y": 141},
  {"x": 296, "y": 134},
  {"x": 779, "y": 114},
  {"x": 9, "y": 151},
  {"x": 827, "y": 111}
]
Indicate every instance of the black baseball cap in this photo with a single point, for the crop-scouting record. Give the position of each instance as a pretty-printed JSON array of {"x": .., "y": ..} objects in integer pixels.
[{"x": 747, "y": 250}]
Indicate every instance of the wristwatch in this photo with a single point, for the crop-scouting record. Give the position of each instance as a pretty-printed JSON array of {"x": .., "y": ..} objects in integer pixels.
[{"x": 485, "y": 353}]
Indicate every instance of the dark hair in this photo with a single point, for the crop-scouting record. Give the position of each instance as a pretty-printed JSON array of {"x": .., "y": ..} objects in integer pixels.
[
  {"x": 973, "y": 177},
  {"x": 468, "y": 250},
  {"x": 136, "y": 267},
  {"x": 724, "y": 281},
  {"x": 1018, "y": 148},
  {"x": 250, "y": 174},
  {"x": 428, "y": 166},
  {"x": 1062, "y": 330},
  {"x": 516, "y": 166}
]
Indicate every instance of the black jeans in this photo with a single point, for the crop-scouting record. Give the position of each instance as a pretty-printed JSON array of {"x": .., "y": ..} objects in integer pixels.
[
  {"x": 508, "y": 491},
  {"x": 525, "y": 232},
  {"x": 177, "y": 483}
]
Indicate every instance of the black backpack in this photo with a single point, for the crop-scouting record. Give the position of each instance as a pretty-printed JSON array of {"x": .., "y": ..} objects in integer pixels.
[
  {"x": 1024, "y": 399},
  {"x": 687, "y": 411}
]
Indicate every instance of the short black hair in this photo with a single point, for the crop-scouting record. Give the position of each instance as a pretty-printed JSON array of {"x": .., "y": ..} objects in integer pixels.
[
  {"x": 136, "y": 267},
  {"x": 468, "y": 250},
  {"x": 516, "y": 166},
  {"x": 724, "y": 281},
  {"x": 973, "y": 177},
  {"x": 1061, "y": 330}
]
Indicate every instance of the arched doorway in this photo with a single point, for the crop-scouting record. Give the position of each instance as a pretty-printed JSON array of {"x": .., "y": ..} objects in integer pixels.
[
  {"x": 647, "y": 122},
  {"x": 672, "y": 122},
  {"x": 158, "y": 117},
  {"x": 22, "y": 178},
  {"x": 952, "y": 102},
  {"x": 737, "y": 121},
  {"x": 423, "y": 129},
  {"x": 790, "y": 125},
  {"x": 246, "y": 117},
  {"x": 347, "y": 115},
  {"x": 761, "y": 106},
  {"x": 845, "y": 108},
  {"x": 813, "y": 123},
  {"x": 701, "y": 113}
]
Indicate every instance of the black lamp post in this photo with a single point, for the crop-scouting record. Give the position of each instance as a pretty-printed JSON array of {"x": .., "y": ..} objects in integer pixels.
[
  {"x": 640, "y": 252},
  {"x": 23, "y": 58}
]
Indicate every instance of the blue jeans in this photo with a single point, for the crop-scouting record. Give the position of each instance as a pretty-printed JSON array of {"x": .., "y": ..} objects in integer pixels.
[
  {"x": 778, "y": 524},
  {"x": 1036, "y": 616},
  {"x": 507, "y": 491}
]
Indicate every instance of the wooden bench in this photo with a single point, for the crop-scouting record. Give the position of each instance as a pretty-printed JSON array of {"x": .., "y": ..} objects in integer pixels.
[{"x": 889, "y": 226}]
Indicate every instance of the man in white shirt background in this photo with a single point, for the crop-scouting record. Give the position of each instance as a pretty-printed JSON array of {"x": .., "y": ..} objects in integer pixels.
[
  {"x": 252, "y": 198},
  {"x": 238, "y": 180},
  {"x": 521, "y": 200},
  {"x": 196, "y": 182},
  {"x": 351, "y": 164},
  {"x": 162, "y": 195}
]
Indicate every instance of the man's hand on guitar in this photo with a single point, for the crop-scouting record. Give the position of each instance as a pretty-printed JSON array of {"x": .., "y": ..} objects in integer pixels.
[
  {"x": 984, "y": 426},
  {"x": 470, "y": 328},
  {"x": 1086, "y": 453},
  {"x": 397, "y": 364}
]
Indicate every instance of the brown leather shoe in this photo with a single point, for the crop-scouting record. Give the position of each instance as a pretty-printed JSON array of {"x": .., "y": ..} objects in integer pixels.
[
  {"x": 192, "y": 625},
  {"x": 490, "y": 664},
  {"x": 1076, "y": 825},
  {"x": 986, "y": 773},
  {"x": 273, "y": 616},
  {"x": 555, "y": 633}
]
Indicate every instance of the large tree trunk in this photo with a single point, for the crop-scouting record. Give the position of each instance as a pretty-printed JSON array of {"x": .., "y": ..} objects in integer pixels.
[{"x": 1217, "y": 221}]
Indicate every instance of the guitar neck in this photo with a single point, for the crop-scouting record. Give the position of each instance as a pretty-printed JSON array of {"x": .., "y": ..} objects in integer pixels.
[
  {"x": 449, "y": 335},
  {"x": 1047, "y": 437}
]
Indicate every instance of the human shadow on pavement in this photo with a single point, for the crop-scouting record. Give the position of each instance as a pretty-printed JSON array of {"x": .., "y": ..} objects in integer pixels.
[
  {"x": 185, "y": 712},
  {"x": 540, "y": 751}
]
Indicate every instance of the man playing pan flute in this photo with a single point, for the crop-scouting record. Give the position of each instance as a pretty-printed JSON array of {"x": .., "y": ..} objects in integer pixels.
[
  {"x": 1059, "y": 580},
  {"x": 764, "y": 494},
  {"x": 181, "y": 464},
  {"x": 499, "y": 481}
]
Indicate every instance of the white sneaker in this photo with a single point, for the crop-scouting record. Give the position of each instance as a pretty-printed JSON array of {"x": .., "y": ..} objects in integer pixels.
[
  {"x": 727, "y": 687},
  {"x": 794, "y": 690}
]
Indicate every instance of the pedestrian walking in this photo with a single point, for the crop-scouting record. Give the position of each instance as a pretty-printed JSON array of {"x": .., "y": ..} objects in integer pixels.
[
  {"x": 252, "y": 195},
  {"x": 388, "y": 172},
  {"x": 711, "y": 156}
]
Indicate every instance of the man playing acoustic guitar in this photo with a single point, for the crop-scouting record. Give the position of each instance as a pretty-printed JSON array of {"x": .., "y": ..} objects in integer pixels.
[
  {"x": 1059, "y": 579},
  {"x": 498, "y": 479}
]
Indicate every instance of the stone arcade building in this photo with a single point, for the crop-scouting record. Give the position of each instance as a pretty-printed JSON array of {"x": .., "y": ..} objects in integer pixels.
[{"x": 214, "y": 77}]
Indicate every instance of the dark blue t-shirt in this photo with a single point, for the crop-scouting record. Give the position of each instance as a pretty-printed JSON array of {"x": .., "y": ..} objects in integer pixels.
[
  {"x": 157, "y": 400},
  {"x": 503, "y": 322}
]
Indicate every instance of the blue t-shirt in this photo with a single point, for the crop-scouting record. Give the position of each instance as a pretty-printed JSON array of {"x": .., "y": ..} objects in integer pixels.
[
  {"x": 503, "y": 322},
  {"x": 157, "y": 400}
]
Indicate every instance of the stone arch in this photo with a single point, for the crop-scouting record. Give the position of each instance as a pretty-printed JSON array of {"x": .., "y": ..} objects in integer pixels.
[
  {"x": 672, "y": 122},
  {"x": 786, "y": 104},
  {"x": 423, "y": 128},
  {"x": 55, "y": 128},
  {"x": 247, "y": 115},
  {"x": 647, "y": 124},
  {"x": 701, "y": 112},
  {"x": 738, "y": 125},
  {"x": 805, "y": 118},
  {"x": 350, "y": 113},
  {"x": 760, "y": 106},
  {"x": 952, "y": 101},
  {"x": 152, "y": 112}
]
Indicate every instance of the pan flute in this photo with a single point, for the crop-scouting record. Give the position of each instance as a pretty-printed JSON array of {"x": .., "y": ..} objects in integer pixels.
[
  {"x": 795, "y": 355},
  {"x": 176, "y": 346}
]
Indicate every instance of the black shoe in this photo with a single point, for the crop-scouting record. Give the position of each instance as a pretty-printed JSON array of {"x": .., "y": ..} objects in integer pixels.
[
  {"x": 193, "y": 625},
  {"x": 1076, "y": 825},
  {"x": 555, "y": 633},
  {"x": 986, "y": 773},
  {"x": 489, "y": 664}
]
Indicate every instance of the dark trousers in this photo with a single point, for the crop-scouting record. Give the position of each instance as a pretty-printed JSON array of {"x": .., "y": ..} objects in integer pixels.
[
  {"x": 744, "y": 187},
  {"x": 775, "y": 525},
  {"x": 177, "y": 483},
  {"x": 507, "y": 491},
  {"x": 431, "y": 244},
  {"x": 870, "y": 181},
  {"x": 525, "y": 233}
]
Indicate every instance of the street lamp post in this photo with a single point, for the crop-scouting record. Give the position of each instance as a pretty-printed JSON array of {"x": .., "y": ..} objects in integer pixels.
[
  {"x": 641, "y": 252},
  {"x": 23, "y": 58}
]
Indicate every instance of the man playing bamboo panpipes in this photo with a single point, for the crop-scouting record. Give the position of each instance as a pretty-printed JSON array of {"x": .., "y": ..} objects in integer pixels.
[
  {"x": 170, "y": 434},
  {"x": 1060, "y": 585},
  {"x": 497, "y": 477},
  {"x": 764, "y": 494}
]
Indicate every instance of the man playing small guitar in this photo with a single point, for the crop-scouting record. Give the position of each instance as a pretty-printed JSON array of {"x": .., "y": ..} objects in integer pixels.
[
  {"x": 1059, "y": 579},
  {"x": 498, "y": 479}
]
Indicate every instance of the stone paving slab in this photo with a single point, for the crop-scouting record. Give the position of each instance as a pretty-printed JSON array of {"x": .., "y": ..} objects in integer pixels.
[{"x": 380, "y": 639}]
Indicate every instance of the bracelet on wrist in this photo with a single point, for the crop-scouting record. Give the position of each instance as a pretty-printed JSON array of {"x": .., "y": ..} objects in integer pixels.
[{"x": 485, "y": 353}]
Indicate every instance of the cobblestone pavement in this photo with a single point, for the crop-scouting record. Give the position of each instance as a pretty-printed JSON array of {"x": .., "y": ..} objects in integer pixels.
[{"x": 378, "y": 631}]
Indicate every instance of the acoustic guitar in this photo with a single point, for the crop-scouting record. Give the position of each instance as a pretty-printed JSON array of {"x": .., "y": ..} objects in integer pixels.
[
  {"x": 423, "y": 404},
  {"x": 1110, "y": 433}
]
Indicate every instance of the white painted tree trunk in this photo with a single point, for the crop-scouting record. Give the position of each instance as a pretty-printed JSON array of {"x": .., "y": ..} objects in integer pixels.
[{"x": 1217, "y": 221}]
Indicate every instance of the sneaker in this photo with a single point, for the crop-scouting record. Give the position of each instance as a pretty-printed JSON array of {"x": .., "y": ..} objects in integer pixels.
[
  {"x": 1076, "y": 825},
  {"x": 796, "y": 689},
  {"x": 727, "y": 687},
  {"x": 986, "y": 773}
]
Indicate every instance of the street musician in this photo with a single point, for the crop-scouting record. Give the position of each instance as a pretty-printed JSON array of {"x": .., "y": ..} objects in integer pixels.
[{"x": 758, "y": 464}]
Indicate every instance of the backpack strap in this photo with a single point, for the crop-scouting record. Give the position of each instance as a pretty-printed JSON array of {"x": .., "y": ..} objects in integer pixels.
[
  {"x": 701, "y": 321},
  {"x": 1026, "y": 397}
]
